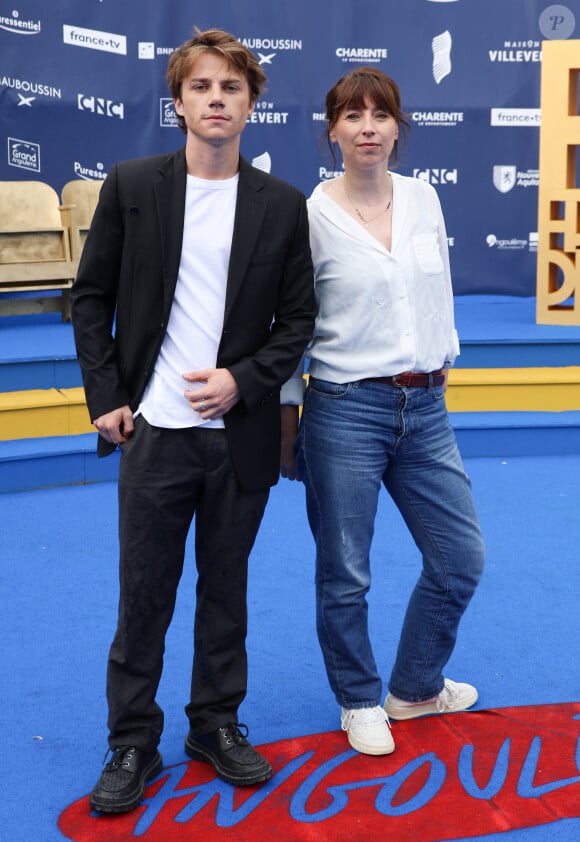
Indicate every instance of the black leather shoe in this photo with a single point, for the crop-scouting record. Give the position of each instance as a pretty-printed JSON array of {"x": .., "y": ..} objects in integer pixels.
[
  {"x": 230, "y": 754},
  {"x": 122, "y": 783}
]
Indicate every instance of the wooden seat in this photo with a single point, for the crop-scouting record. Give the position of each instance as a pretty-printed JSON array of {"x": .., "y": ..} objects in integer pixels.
[
  {"x": 81, "y": 196},
  {"x": 35, "y": 251}
]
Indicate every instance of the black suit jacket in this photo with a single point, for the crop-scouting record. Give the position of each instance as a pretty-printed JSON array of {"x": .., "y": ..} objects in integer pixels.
[{"x": 126, "y": 280}]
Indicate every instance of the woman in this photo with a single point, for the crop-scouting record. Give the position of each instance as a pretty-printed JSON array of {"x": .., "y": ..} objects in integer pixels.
[{"x": 374, "y": 412}]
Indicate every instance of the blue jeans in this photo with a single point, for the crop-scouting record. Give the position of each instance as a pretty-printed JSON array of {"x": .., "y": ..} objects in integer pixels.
[{"x": 353, "y": 437}]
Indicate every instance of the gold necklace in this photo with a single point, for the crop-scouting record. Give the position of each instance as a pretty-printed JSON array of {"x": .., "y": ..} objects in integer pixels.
[{"x": 365, "y": 222}]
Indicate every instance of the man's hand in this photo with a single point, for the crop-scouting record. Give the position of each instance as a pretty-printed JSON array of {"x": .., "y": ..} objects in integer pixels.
[
  {"x": 218, "y": 394},
  {"x": 116, "y": 426},
  {"x": 289, "y": 421}
]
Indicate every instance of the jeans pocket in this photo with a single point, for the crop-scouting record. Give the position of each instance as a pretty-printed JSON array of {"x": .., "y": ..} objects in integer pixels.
[{"x": 328, "y": 389}]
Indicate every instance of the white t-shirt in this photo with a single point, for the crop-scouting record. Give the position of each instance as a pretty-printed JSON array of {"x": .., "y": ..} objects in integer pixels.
[{"x": 195, "y": 323}]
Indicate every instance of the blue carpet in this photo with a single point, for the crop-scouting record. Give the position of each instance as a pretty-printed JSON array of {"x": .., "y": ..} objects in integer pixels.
[{"x": 518, "y": 643}]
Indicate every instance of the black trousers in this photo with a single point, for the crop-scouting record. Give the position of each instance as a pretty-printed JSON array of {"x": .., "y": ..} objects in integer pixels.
[{"x": 166, "y": 477}]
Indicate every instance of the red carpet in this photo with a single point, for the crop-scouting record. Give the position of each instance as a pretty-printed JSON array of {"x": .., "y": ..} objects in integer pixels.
[{"x": 451, "y": 777}]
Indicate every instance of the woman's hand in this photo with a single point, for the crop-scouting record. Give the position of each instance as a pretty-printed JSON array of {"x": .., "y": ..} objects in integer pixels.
[{"x": 289, "y": 422}]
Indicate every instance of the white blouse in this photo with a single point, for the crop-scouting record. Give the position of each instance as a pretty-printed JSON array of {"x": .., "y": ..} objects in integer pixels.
[{"x": 381, "y": 312}]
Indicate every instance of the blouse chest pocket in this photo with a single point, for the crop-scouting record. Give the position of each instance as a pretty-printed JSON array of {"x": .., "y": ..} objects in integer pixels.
[{"x": 426, "y": 248}]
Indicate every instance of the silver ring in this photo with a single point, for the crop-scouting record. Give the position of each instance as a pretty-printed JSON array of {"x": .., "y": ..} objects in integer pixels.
[{"x": 202, "y": 406}]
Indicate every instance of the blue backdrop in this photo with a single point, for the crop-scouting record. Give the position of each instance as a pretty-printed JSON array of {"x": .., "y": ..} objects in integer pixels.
[{"x": 82, "y": 85}]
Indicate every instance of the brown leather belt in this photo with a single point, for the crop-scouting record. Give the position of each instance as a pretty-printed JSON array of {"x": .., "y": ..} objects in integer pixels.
[{"x": 410, "y": 378}]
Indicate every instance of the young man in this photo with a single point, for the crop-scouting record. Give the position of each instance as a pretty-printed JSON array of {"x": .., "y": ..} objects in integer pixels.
[{"x": 203, "y": 265}]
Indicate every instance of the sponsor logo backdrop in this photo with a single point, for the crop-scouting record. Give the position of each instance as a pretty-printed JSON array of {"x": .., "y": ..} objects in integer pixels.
[{"x": 82, "y": 85}]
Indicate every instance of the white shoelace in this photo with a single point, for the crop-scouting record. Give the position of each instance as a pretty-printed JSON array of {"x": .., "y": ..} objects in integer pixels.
[
  {"x": 365, "y": 716},
  {"x": 448, "y": 697}
]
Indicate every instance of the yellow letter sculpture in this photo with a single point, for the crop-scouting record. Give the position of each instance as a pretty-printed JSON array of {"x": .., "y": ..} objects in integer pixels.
[{"x": 558, "y": 273}]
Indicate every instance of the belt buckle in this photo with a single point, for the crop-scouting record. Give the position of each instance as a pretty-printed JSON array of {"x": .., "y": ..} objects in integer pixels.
[{"x": 395, "y": 380}]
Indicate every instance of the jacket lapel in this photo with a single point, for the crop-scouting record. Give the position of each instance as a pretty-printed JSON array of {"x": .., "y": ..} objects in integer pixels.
[
  {"x": 170, "y": 198},
  {"x": 250, "y": 209}
]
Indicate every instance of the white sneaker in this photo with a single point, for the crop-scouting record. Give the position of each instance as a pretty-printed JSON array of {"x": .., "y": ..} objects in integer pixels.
[
  {"x": 368, "y": 730},
  {"x": 453, "y": 698}
]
